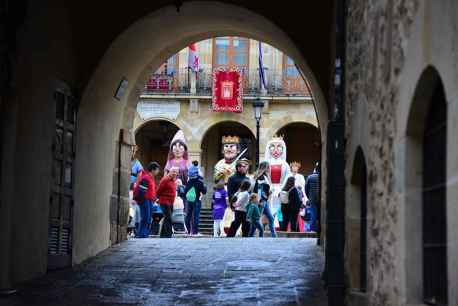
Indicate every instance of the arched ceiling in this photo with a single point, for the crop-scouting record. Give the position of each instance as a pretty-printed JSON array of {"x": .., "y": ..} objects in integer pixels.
[{"x": 96, "y": 24}]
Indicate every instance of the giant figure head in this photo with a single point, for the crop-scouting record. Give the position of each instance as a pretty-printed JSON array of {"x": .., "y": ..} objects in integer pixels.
[
  {"x": 275, "y": 149},
  {"x": 178, "y": 147},
  {"x": 231, "y": 147}
]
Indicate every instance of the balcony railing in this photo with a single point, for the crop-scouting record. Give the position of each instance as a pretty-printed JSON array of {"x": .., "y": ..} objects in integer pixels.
[{"x": 179, "y": 83}]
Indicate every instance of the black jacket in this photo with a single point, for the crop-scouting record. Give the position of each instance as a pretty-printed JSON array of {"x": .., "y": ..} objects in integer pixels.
[
  {"x": 198, "y": 185},
  {"x": 294, "y": 199},
  {"x": 262, "y": 183},
  {"x": 233, "y": 184},
  {"x": 312, "y": 188}
]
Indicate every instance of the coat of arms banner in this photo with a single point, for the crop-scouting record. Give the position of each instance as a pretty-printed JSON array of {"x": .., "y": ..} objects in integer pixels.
[{"x": 227, "y": 90}]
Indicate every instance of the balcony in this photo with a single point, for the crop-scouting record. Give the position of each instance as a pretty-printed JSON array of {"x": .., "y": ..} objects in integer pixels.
[{"x": 177, "y": 83}]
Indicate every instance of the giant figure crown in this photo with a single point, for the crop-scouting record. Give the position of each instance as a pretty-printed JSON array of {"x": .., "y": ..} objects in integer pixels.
[{"x": 230, "y": 139}]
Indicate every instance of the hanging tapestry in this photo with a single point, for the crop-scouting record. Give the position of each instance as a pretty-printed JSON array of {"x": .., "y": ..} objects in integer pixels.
[{"x": 227, "y": 90}]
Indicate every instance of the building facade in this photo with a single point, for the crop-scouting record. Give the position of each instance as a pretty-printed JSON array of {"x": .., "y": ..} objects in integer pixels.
[{"x": 176, "y": 98}]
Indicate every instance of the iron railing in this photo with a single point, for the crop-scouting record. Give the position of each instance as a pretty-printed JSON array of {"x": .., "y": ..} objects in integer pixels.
[{"x": 178, "y": 82}]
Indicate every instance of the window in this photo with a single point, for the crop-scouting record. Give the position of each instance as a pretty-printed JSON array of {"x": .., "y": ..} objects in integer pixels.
[
  {"x": 434, "y": 226},
  {"x": 240, "y": 55},
  {"x": 356, "y": 223},
  {"x": 291, "y": 70},
  {"x": 293, "y": 83},
  {"x": 231, "y": 51},
  {"x": 171, "y": 66}
]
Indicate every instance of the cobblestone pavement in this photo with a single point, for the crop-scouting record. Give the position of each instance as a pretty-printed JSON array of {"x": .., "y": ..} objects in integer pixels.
[{"x": 204, "y": 271}]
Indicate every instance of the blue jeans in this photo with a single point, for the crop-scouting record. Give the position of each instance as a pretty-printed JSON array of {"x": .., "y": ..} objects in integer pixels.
[
  {"x": 266, "y": 211},
  {"x": 313, "y": 218},
  {"x": 256, "y": 225},
  {"x": 145, "y": 219},
  {"x": 193, "y": 214}
]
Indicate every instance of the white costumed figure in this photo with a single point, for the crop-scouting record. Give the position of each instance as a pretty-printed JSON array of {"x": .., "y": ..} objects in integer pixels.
[{"x": 279, "y": 170}]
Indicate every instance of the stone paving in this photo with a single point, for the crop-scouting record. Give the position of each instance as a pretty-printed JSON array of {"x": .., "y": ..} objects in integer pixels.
[{"x": 206, "y": 271}]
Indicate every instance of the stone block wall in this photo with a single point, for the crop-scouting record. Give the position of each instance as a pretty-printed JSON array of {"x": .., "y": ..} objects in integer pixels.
[
  {"x": 389, "y": 45},
  {"x": 376, "y": 35}
]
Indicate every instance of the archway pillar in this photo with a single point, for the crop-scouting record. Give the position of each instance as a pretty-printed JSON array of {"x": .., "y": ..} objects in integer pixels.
[{"x": 195, "y": 155}]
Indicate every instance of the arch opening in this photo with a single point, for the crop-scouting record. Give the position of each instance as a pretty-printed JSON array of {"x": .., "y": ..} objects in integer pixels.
[
  {"x": 356, "y": 226},
  {"x": 132, "y": 56},
  {"x": 426, "y": 198},
  {"x": 153, "y": 141},
  {"x": 304, "y": 146},
  {"x": 211, "y": 145}
]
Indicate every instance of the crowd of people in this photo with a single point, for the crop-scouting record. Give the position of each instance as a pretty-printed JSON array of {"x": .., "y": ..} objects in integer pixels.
[{"x": 245, "y": 199}]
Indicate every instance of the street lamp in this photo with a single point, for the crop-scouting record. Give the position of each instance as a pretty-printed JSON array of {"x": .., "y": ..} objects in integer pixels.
[{"x": 258, "y": 104}]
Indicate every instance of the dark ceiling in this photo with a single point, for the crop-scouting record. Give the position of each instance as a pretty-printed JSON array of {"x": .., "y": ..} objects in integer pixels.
[{"x": 309, "y": 24}]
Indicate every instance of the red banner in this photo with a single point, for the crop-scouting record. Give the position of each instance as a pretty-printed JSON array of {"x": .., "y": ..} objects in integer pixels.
[{"x": 227, "y": 90}]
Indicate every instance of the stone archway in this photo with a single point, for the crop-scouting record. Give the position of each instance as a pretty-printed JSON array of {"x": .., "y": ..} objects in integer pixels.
[
  {"x": 426, "y": 202},
  {"x": 211, "y": 145},
  {"x": 153, "y": 141},
  {"x": 356, "y": 228},
  {"x": 303, "y": 144},
  {"x": 131, "y": 56}
]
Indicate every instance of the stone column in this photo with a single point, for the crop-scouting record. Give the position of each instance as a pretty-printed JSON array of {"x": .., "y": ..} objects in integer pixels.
[{"x": 119, "y": 199}]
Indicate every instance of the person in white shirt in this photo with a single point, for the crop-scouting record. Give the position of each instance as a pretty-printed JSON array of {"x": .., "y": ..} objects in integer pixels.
[
  {"x": 243, "y": 197},
  {"x": 299, "y": 178}
]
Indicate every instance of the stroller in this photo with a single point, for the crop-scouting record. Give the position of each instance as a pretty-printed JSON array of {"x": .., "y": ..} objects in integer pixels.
[
  {"x": 157, "y": 217},
  {"x": 178, "y": 217}
]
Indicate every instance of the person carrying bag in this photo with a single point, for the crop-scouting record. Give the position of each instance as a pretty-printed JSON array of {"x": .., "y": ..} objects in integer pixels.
[{"x": 290, "y": 209}]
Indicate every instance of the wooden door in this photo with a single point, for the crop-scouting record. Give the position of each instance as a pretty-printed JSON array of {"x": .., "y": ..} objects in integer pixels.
[{"x": 61, "y": 198}]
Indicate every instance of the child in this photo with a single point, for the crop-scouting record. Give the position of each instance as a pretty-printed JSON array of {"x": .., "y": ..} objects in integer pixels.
[
  {"x": 241, "y": 199},
  {"x": 134, "y": 216},
  {"x": 219, "y": 204},
  {"x": 254, "y": 215}
]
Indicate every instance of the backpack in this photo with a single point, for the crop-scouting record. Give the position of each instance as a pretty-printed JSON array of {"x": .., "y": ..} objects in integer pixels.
[
  {"x": 140, "y": 191},
  {"x": 191, "y": 195},
  {"x": 284, "y": 197}
]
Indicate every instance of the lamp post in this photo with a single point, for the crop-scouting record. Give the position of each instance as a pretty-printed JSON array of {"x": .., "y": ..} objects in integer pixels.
[{"x": 258, "y": 104}]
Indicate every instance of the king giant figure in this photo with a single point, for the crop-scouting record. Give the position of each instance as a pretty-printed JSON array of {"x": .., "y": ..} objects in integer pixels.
[{"x": 226, "y": 166}]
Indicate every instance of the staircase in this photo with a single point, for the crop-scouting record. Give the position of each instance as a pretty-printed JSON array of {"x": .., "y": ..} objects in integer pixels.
[{"x": 206, "y": 222}]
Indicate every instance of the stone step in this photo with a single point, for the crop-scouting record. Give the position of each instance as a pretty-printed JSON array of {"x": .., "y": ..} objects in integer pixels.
[
  {"x": 296, "y": 234},
  {"x": 206, "y": 222}
]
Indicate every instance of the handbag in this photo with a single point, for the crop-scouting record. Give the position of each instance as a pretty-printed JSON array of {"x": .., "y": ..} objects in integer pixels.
[
  {"x": 307, "y": 214},
  {"x": 234, "y": 199},
  {"x": 284, "y": 197}
]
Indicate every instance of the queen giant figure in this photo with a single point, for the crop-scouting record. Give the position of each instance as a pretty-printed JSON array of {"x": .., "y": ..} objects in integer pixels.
[
  {"x": 178, "y": 156},
  {"x": 279, "y": 171}
]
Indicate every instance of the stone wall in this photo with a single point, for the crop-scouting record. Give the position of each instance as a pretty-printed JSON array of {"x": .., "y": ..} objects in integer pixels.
[
  {"x": 389, "y": 44},
  {"x": 377, "y": 32},
  {"x": 28, "y": 130}
]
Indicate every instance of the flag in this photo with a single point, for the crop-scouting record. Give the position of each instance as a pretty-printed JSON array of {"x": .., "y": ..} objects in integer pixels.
[
  {"x": 262, "y": 77},
  {"x": 193, "y": 58}
]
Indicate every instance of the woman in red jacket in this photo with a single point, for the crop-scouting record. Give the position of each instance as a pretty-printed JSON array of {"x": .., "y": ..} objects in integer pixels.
[
  {"x": 166, "y": 192},
  {"x": 144, "y": 195}
]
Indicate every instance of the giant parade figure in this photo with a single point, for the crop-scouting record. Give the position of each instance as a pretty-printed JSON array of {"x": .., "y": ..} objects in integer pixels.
[
  {"x": 178, "y": 156},
  {"x": 275, "y": 154},
  {"x": 231, "y": 152}
]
